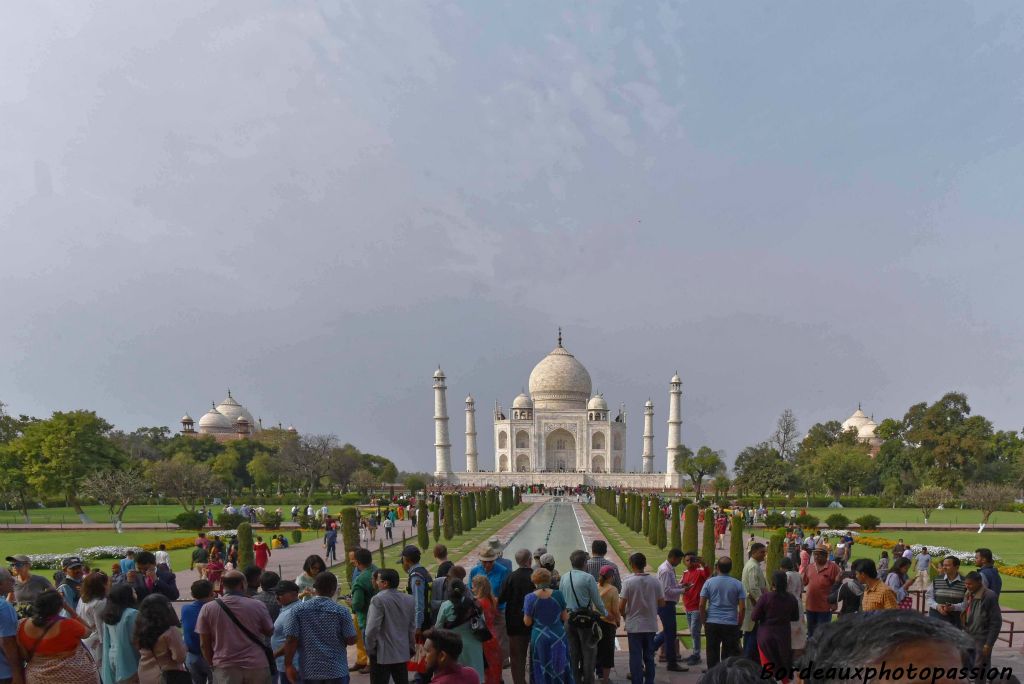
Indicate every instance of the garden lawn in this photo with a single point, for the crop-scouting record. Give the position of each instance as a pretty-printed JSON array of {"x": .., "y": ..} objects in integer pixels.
[
  {"x": 458, "y": 546},
  {"x": 69, "y": 541},
  {"x": 913, "y": 515}
]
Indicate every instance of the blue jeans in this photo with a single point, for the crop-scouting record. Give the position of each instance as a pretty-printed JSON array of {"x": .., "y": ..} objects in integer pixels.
[
  {"x": 750, "y": 645},
  {"x": 693, "y": 620},
  {"x": 198, "y": 668},
  {"x": 641, "y": 657},
  {"x": 815, "y": 618},
  {"x": 667, "y": 635}
]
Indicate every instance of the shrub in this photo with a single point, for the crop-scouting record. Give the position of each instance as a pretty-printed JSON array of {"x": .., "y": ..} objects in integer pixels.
[
  {"x": 677, "y": 538},
  {"x": 310, "y": 522},
  {"x": 775, "y": 550},
  {"x": 245, "y": 551},
  {"x": 837, "y": 521},
  {"x": 270, "y": 520},
  {"x": 190, "y": 520},
  {"x": 868, "y": 522},
  {"x": 690, "y": 513},
  {"x": 707, "y": 549},
  {"x": 736, "y": 546},
  {"x": 296, "y": 536},
  {"x": 229, "y": 521},
  {"x": 807, "y": 521},
  {"x": 774, "y": 520}
]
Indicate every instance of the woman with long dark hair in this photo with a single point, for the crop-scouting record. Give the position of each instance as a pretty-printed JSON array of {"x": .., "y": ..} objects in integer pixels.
[
  {"x": 94, "y": 597},
  {"x": 158, "y": 638},
  {"x": 51, "y": 645},
  {"x": 214, "y": 569},
  {"x": 899, "y": 581},
  {"x": 455, "y": 614},
  {"x": 773, "y": 613},
  {"x": 120, "y": 656}
]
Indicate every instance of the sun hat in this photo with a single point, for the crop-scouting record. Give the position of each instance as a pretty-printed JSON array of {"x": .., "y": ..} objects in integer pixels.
[
  {"x": 20, "y": 558},
  {"x": 488, "y": 555}
]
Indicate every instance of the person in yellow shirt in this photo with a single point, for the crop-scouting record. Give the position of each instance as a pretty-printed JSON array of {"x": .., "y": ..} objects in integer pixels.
[{"x": 275, "y": 542}]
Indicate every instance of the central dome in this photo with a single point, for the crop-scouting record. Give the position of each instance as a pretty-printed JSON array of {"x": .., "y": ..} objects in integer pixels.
[{"x": 559, "y": 381}]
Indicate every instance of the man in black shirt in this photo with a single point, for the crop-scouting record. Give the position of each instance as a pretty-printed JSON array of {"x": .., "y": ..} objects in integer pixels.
[
  {"x": 517, "y": 587},
  {"x": 443, "y": 564}
]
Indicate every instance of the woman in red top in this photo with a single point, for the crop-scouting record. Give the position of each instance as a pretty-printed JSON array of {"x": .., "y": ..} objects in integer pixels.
[
  {"x": 52, "y": 645},
  {"x": 489, "y": 607},
  {"x": 261, "y": 553},
  {"x": 215, "y": 569}
]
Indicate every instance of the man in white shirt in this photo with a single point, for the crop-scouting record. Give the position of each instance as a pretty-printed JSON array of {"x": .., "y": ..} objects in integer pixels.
[
  {"x": 672, "y": 590},
  {"x": 641, "y": 598}
]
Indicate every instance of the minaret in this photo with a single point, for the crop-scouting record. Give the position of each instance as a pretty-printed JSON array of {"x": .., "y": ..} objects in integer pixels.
[
  {"x": 648, "y": 455},
  {"x": 442, "y": 445},
  {"x": 672, "y": 478},
  {"x": 470, "y": 435}
]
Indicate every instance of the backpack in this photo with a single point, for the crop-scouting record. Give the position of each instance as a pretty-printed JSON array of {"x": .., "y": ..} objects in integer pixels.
[
  {"x": 437, "y": 594},
  {"x": 424, "y": 575}
]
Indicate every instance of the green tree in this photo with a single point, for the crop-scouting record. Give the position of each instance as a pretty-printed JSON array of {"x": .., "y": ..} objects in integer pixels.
[
  {"x": 842, "y": 467},
  {"x": 350, "y": 536},
  {"x": 677, "y": 539},
  {"x": 951, "y": 445},
  {"x": 180, "y": 478},
  {"x": 662, "y": 541},
  {"x": 760, "y": 469},
  {"x": 736, "y": 547},
  {"x": 245, "y": 545},
  {"x": 225, "y": 467},
  {"x": 690, "y": 515},
  {"x": 415, "y": 483},
  {"x": 422, "y": 516},
  {"x": 705, "y": 464},
  {"x": 457, "y": 510},
  {"x": 467, "y": 516},
  {"x": 449, "y": 517},
  {"x": 60, "y": 452},
  {"x": 645, "y": 521},
  {"x": 364, "y": 480},
  {"x": 437, "y": 521},
  {"x": 722, "y": 484},
  {"x": 707, "y": 547},
  {"x": 656, "y": 519},
  {"x": 775, "y": 550}
]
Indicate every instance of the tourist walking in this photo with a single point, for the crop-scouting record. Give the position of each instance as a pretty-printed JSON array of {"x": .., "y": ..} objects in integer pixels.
[
  {"x": 232, "y": 632},
  {"x": 722, "y": 609},
  {"x": 320, "y": 630},
  {"x": 331, "y": 545},
  {"x": 693, "y": 579},
  {"x": 877, "y": 595},
  {"x": 162, "y": 557},
  {"x": 883, "y": 565},
  {"x": 489, "y": 609},
  {"x": 672, "y": 591},
  {"x": 583, "y": 600},
  {"x": 161, "y": 646},
  {"x": 945, "y": 596},
  {"x": 774, "y": 613},
  {"x": 261, "y": 553},
  {"x": 120, "y": 657},
  {"x": 51, "y": 645},
  {"x": 609, "y": 623},
  {"x": 442, "y": 650},
  {"x": 818, "y": 579},
  {"x": 923, "y": 563},
  {"x": 389, "y": 525},
  {"x": 754, "y": 584},
  {"x": 200, "y": 556},
  {"x": 544, "y": 612},
  {"x": 795, "y": 586},
  {"x": 982, "y": 618},
  {"x": 989, "y": 573},
  {"x": 456, "y": 614},
  {"x": 390, "y": 634},
  {"x": 642, "y": 596},
  {"x": 513, "y": 595},
  {"x": 202, "y": 593}
]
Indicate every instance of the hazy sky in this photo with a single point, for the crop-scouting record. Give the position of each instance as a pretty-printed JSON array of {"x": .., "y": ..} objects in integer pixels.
[{"x": 799, "y": 205}]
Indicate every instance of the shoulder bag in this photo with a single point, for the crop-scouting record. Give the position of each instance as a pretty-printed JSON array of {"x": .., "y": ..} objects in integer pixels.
[
  {"x": 584, "y": 617},
  {"x": 271, "y": 661}
]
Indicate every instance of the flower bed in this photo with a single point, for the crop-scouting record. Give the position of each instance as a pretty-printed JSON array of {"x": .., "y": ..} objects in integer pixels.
[
  {"x": 91, "y": 553},
  {"x": 965, "y": 557}
]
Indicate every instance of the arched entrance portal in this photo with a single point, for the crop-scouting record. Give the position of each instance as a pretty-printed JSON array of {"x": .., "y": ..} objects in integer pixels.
[
  {"x": 560, "y": 451},
  {"x": 522, "y": 463},
  {"x": 597, "y": 464}
]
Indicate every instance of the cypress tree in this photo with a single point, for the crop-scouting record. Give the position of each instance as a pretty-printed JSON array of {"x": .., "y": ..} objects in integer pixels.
[
  {"x": 457, "y": 509},
  {"x": 638, "y": 513},
  {"x": 645, "y": 521},
  {"x": 422, "y": 533},
  {"x": 349, "y": 536},
  {"x": 690, "y": 528},
  {"x": 707, "y": 548},
  {"x": 736, "y": 546},
  {"x": 467, "y": 522},
  {"x": 437, "y": 520},
  {"x": 620, "y": 508},
  {"x": 774, "y": 557},
  {"x": 245, "y": 552},
  {"x": 677, "y": 540},
  {"x": 662, "y": 538},
  {"x": 449, "y": 517},
  {"x": 383, "y": 561}
]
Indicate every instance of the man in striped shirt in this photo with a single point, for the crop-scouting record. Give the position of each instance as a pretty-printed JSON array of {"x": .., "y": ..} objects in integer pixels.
[{"x": 598, "y": 548}]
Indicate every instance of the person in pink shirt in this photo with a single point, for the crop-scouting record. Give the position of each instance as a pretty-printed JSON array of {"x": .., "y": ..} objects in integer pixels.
[
  {"x": 805, "y": 558},
  {"x": 261, "y": 553},
  {"x": 442, "y": 649},
  {"x": 818, "y": 576},
  {"x": 693, "y": 581}
]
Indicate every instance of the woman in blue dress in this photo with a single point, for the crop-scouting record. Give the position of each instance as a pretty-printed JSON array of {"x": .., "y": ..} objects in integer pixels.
[{"x": 544, "y": 611}]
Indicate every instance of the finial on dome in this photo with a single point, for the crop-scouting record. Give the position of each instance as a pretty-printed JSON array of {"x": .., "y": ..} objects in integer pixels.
[
  {"x": 858, "y": 406},
  {"x": 229, "y": 394},
  {"x": 559, "y": 336}
]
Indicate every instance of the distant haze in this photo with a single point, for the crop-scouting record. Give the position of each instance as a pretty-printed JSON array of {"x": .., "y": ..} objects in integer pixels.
[{"x": 803, "y": 205}]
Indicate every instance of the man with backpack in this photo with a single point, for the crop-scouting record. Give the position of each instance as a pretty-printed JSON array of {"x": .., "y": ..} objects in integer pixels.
[
  {"x": 419, "y": 588},
  {"x": 583, "y": 601}
]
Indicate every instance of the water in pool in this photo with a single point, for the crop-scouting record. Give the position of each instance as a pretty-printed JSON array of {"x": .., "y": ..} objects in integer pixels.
[{"x": 554, "y": 526}]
